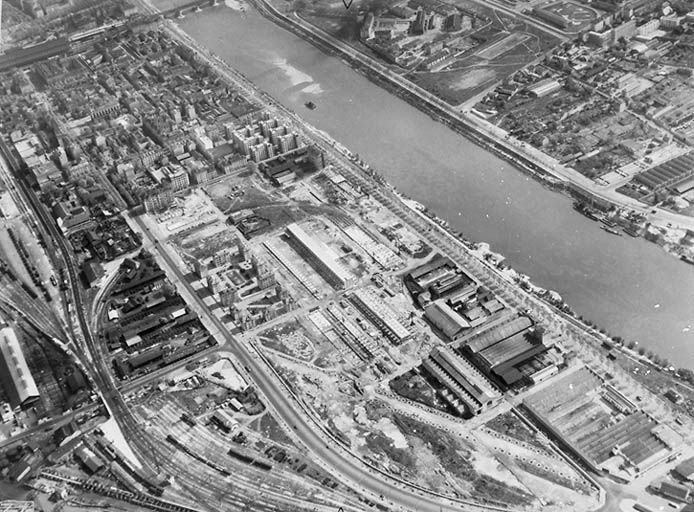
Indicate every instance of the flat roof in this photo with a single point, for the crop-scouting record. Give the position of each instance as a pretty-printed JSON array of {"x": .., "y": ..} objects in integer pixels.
[{"x": 321, "y": 251}]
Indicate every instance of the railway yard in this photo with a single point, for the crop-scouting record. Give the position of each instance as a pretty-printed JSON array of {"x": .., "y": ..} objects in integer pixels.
[{"x": 267, "y": 325}]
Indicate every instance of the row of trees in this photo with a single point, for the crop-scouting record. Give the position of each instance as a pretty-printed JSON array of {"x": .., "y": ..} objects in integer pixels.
[{"x": 631, "y": 345}]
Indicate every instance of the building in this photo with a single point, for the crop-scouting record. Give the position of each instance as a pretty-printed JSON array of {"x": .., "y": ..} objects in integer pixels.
[
  {"x": 505, "y": 348},
  {"x": 446, "y": 320},
  {"x": 16, "y": 506},
  {"x": 177, "y": 177},
  {"x": 544, "y": 88},
  {"x": 467, "y": 385},
  {"x": 670, "y": 22},
  {"x": 436, "y": 279},
  {"x": 648, "y": 28},
  {"x": 15, "y": 376},
  {"x": 367, "y": 30},
  {"x": 380, "y": 314},
  {"x": 685, "y": 470},
  {"x": 573, "y": 409},
  {"x": 216, "y": 252},
  {"x": 158, "y": 200},
  {"x": 72, "y": 218},
  {"x": 674, "y": 492},
  {"x": 521, "y": 344},
  {"x": 88, "y": 458},
  {"x": 551, "y": 17},
  {"x": 263, "y": 140},
  {"x": 321, "y": 257},
  {"x": 224, "y": 421}
]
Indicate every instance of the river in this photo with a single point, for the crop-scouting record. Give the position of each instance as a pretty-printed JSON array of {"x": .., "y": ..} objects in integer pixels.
[{"x": 629, "y": 286}]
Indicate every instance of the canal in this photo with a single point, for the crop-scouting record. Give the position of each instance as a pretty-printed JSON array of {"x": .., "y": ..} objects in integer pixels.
[{"x": 629, "y": 286}]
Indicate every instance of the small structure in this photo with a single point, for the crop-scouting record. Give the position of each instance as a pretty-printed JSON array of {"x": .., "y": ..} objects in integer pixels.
[
  {"x": 675, "y": 492},
  {"x": 685, "y": 470}
]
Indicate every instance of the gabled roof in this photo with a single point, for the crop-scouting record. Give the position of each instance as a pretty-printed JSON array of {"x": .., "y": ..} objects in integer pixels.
[{"x": 446, "y": 319}]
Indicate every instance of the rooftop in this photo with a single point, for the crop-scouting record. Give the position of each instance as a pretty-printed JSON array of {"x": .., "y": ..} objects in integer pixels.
[{"x": 16, "y": 377}]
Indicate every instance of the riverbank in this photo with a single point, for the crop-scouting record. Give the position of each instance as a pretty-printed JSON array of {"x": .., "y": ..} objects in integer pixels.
[
  {"x": 613, "y": 281},
  {"x": 528, "y": 160}
]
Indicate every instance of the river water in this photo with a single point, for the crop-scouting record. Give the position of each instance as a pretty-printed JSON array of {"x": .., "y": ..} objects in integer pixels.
[{"x": 628, "y": 286}]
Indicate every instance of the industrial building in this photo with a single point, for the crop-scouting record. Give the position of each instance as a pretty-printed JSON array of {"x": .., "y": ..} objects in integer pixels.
[
  {"x": 685, "y": 470},
  {"x": 436, "y": 279},
  {"x": 88, "y": 458},
  {"x": 578, "y": 408},
  {"x": 380, "y": 314},
  {"x": 466, "y": 384},
  {"x": 506, "y": 350},
  {"x": 321, "y": 257},
  {"x": 15, "y": 376},
  {"x": 446, "y": 320},
  {"x": 544, "y": 88}
]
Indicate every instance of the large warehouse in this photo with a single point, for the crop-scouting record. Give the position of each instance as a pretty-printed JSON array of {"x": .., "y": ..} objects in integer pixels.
[
  {"x": 321, "y": 257},
  {"x": 601, "y": 425},
  {"x": 373, "y": 307},
  {"x": 462, "y": 379},
  {"x": 505, "y": 348},
  {"x": 15, "y": 376},
  {"x": 439, "y": 278}
]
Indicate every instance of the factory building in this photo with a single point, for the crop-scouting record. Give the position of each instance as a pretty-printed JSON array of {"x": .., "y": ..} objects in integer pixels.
[
  {"x": 321, "y": 257},
  {"x": 438, "y": 278},
  {"x": 504, "y": 349},
  {"x": 466, "y": 384},
  {"x": 544, "y": 88},
  {"x": 380, "y": 314},
  {"x": 446, "y": 320},
  {"x": 15, "y": 376}
]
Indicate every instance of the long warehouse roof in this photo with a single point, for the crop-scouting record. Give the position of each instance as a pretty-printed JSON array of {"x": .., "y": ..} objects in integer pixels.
[
  {"x": 321, "y": 251},
  {"x": 16, "y": 367}
]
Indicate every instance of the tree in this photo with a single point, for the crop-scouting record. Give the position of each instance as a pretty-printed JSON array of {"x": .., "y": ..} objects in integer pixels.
[
  {"x": 631, "y": 345},
  {"x": 642, "y": 351}
]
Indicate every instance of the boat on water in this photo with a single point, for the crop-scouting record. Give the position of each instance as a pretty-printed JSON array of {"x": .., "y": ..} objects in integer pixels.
[
  {"x": 608, "y": 222},
  {"x": 310, "y": 105},
  {"x": 612, "y": 231},
  {"x": 586, "y": 210}
]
